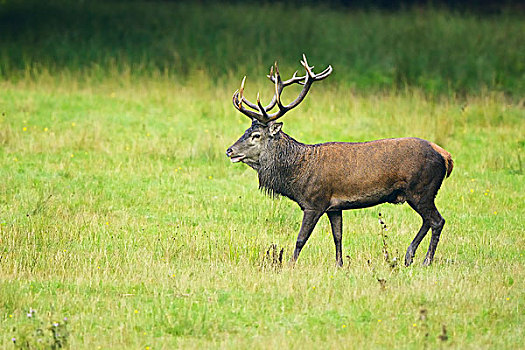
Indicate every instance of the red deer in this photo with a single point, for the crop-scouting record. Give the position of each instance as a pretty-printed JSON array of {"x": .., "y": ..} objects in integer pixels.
[{"x": 336, "y": 176}]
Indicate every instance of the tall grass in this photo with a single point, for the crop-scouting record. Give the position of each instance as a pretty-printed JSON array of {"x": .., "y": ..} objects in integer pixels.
[{"x": 436, "y": 50}]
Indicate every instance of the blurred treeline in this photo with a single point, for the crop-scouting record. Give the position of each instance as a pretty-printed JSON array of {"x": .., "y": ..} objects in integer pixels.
[{"x": 440, "y": 49}]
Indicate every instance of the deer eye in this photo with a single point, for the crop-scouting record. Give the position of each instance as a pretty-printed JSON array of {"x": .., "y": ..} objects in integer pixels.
[{"x": 256, "y": 136}]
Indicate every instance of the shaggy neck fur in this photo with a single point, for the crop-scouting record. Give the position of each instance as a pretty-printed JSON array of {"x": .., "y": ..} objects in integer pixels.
[{"x": 281, "y": 164}]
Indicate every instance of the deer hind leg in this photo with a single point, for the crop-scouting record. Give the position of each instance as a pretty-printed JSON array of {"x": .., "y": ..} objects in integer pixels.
[
  {"x": 437, "y": 223},
  {"x": 431, "y": 219},
  {"x": 411, "y": 251},
  {"x": 310, "y": 218},
  {"x": 336, "y": 221}
]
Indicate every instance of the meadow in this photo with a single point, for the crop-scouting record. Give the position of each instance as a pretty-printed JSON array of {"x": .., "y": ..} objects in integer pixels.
[{"x": 124, "y": 225}]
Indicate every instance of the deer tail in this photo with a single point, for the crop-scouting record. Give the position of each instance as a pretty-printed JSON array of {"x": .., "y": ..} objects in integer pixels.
[{"x": 447, "y": 157}]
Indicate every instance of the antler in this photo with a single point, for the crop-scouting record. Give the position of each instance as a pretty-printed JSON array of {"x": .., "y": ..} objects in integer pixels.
[{"x": 259, "y": 112}]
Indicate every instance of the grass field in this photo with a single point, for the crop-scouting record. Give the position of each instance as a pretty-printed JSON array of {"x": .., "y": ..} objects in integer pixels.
[{"x": 120, "y": 212}]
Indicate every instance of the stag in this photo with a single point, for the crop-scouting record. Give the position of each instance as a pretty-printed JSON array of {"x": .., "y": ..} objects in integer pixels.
[{"x": 336, "y": 176}]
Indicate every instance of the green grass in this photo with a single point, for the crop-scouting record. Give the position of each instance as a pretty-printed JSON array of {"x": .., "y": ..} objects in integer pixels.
[
  {"x": 120, "y": 211},
  {"x": 116, "y": 199}
]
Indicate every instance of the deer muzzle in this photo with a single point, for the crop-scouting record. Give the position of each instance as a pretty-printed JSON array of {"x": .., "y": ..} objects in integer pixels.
[{"x": 234, "y": 157}]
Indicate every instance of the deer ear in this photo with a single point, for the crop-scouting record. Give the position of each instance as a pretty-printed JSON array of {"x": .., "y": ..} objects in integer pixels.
[{"x": 275, "y": 128}]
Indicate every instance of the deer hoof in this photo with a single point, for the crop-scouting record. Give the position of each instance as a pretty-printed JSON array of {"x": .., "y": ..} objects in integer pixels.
[
  {"x": 427, "y": 262},
  {"x": 408, "y": 259}
]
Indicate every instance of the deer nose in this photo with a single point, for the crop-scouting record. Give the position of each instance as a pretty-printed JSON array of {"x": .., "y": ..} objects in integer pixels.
[{"x": 229, "y": 152}]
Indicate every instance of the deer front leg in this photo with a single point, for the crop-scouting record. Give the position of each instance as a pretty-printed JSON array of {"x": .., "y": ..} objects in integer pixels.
[
  {"x": 336, "y": 221},
  {"x": 310, "y": 218}
]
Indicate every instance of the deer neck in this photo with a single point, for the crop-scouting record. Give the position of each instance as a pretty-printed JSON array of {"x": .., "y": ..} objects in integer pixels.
[{"x": 281, "y": 165}]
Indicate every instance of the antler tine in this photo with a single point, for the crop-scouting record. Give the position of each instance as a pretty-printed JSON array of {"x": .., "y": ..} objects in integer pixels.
[
  {"x": 311, "y": 74},
  {"x": 241, "y": 91},
  {"x": 270, "y": 76},
  {"x": 249, "y": 104},
  {"x": 260, "y": 106},
  {"x": 304, "y": 62},
  {"x": 238, "y": 99},
  {"x": 253, "y": 105},
  {"x": 294, "y": 79},
  {"x": 276, "y": 79},
  {"x": 240, "y": 107},
  {"x": 243, "y": 99},
  {"x": 278, "y": 89},
  {"x": 324, "y": 73}
]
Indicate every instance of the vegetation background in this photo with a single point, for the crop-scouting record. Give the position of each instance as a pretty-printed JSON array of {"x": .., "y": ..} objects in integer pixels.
[{"x": 123, "y": 224}]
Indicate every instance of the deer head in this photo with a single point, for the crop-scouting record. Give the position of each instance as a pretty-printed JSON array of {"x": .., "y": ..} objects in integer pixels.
[{"x": 264, "y": 128}]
